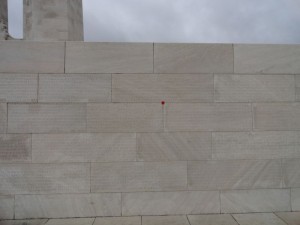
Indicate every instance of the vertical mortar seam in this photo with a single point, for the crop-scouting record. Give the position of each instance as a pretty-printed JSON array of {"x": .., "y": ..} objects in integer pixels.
[
  {"x": 234, "y": 219},
  {"x": 188, "y": 219}
]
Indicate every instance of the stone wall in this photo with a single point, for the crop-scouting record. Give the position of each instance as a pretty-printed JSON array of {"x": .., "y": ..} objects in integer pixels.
[{"x": 111, "y": 129}]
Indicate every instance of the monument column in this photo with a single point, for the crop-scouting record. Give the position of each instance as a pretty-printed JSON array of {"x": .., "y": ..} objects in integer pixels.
[{"x": 3, "y": 20}]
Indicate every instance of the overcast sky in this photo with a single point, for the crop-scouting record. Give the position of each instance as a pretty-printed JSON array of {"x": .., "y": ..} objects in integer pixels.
[{"x": 239, "y": 21}]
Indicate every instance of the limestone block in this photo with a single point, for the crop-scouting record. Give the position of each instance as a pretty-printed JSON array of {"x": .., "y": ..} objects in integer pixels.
[
  {"x": 254, "y": 88},
  {"x": 291, "y": 172},
  {"x": 31, "y": 57},
  {"x": 15, "y": 147},
  {"x": 234, "y": 174},
  {"x": 84, "y": 57},
  {"x": 44, "y": 178},
  {"x": 6, "y": 207},
  {"x": 276, "y": 116},
  {"x": 193, "y": 58},
  {"x": 295, "y": 198},
  {"x": 46, "y": 118},
  {"x": 165, "y": 220},
  {"x": 174, "y": 146},
  {"x": 3, "y": 117},
  {"x": 100, "y": 147},
  {"x": 256, "y": 145},
  {"x": 158, "y": 87},
  {"x": 266, "y": 59},
  {"x": 73, "y": 221},
  {"x": 260, "y": 200},
  {"x": 74, "y": 88},
  {"x": 291, "y": 218},
  {"x": 170, "y": 203},
  {"x": 123, "y": 117},
  {"x": 18, "y": 87},
  {"x": 208, "y": 117},
  {"x": 132, "y": 220},
  {"x": 138, "y": 176},
  {"x": 68, "y": 205},
  {"x": 24, "y": 222},
  {"x": 258, "y": 218},
  {"x": 224, "y": 219},
  {"x": 297, "y": 77}
]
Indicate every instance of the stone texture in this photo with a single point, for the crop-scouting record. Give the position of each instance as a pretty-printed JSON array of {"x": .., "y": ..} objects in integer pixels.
[
  {"x": 208, "y": 117},
  {"x": 234, "y": 174},
  {"x": 165, "y": 220},
  {"x": 74, "y": 88},
  {"x": 63, "y": 206},
  {"x": 170, "y": 203},
  {"x": 18, "y": 87},
  {"x": 6, "y": 207},
  {"x": 133, "y": 220},
  {"x": 254, "y": 88},
  {"x": 266, "y": 59},
  {"x": 24, "y": 222},
  {"x": 15, "y": 147},
  {"x": 291, "y": 172},
  {"x": 295, "y": 198},
  {"x": 74, "y": 221},
  {"x": 83, "y": 57},
  {"x": 297, "y": 78},
  {"x": 138, "y": 176},
  {"x": 291, "y": 218},
  {"x": 256, "y": 145},
  {"x": 193, "y": 58},
  {"x": 44, "y": 178},
  {"x": 174, "y": 146},
  {"x": 258, "y": 219},
  {"x": 276, "y": 116},
  {"x": 122, "y": 117},
  {"x": 158, "y": 87},
  {"x": 260, "y": 200},
  {"x": 225, "y": 219},
  {"x": 100, "y": 147},
  {"x": 31, "y": 57},
  {"x": 46, "y": 118},
  {"x": 3, "y": 117}
]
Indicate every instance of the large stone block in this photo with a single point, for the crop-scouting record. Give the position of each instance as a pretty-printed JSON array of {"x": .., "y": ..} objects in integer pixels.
[
  {"x": 174, "y": 146},
  {"x": 276, "y": 116},
  {"x": 46, "y": 118},
  {"x": 31, "y": 57},
  {"x": 44, "y": 178},
  {"x": 297, "y": 77},
  {"x": 291, "y": 218},
  {"x": 258, "y": 218},
  {"x": 74, "y": 88},
  {"x": 18, "y": 87},
  {"x": 291, "y": 172},
  {"x": 3, "y": 117},
  {"x": 193, "y": 58},
  {"x": 261, "y": 200},
  {"x": 267, "y": 59},
  {"x": 101, "y": 147},
  {"x": 254, "y": 88},
  {"x": 83, "y": 57},
  {"x": 6, "y": 207},
  {"x": 208, "y": 117},
  {"x": 234, "y": 174},
  {"x": 170, "y": 203},
  {"x": 23, "y": 222},
  {"x": 158, "y": 87},
  {"x": 132, "y": 220},
  {"x": 62, "y": 206},
  {"x": 138, "y": 176},
  {"x": 295, "y": 198},
  {"x": 224, "y": 219},
  {"x": 71, "y": 221},
  {"x": 165, "y": 220},
  {"x": 256, "y": 145},
  {"x": 122, "y": 117}
]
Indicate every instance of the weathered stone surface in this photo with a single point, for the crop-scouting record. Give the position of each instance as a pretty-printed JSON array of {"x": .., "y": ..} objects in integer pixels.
[
  {"x": 193, "y": 58},
  {"x": 295, "y": 198},
  {"x": 291, "y": 218},
  {"x": 267, "y": 59},
  {"x": 18, "y": 87},
  {"x": 84, "y": 57},
  {"x": 297, "y": 77},
  {"x": 15, "y": 147},
  {"x": 234, "y": 174},
  {"x": 225, "y": 219},
  {"x": 263, "y": 200},
  {"x": 170, "y": 203},
  {"x": 31, "y": 57},
  {"x": 63, "y": 206},
  {"x": 3, "y": 117},
  {"x": 100, "y": 147},
  {"x": 24, "y": 222},
  {"x": 276, "y": 116},
  {"x": 74, "y": 88},
  {"x": 165, "y": 220},
  {"x": 132, "y": 220},
  {"x": 291, "y": 172},
  {"x": 208, "y": 117},
  {"x": 6, "y": 207},
  {"x": 46, "y": 118},
  {"x": 123, "y": 117},
  {"x": 258, "y": 219},
  {"x": 254, "y": 88},
  {"x": 44, "y": 178},
  {"x": 138, "y": 176},
  {"x": 174, "y": 146},
  {"x": 158, "y": 87},
  {"x": 74, "y": 221},
  {"x": 256, "y": 145}
]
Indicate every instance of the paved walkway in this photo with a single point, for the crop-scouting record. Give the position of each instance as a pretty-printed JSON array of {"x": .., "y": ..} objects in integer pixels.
[{"x": 283, "y": 218}]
